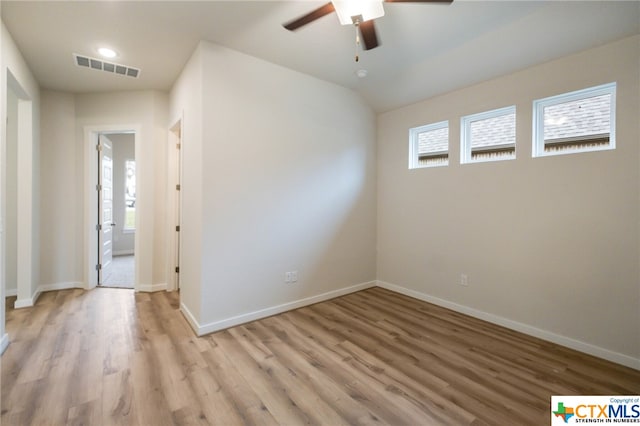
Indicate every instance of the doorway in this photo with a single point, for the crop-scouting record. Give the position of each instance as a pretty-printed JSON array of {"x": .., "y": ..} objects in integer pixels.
[
  {"x": 174, "y": 203},
  {"x": 116, "y": 209},
  {"x": 17, "y": 196},
  {"x": 96, "y": 220},
  {"x": 11, "y": 196}
]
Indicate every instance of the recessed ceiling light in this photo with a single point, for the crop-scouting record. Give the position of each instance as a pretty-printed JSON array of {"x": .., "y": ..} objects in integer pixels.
[
  {"x": 362, "y": 73},
  {"x": 107, "y": 53}
]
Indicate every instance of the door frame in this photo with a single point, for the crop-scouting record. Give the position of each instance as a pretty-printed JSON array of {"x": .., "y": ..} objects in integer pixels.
[
  {"x": 91, "y": 198},
  {"x": 174, "y": 207},
  {"x": 26, "y": 293}
]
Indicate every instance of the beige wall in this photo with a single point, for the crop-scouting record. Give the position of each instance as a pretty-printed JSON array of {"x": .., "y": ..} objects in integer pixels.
[
  {"x": 550, "y": 245},
  {"x": 288, "y": 184}
]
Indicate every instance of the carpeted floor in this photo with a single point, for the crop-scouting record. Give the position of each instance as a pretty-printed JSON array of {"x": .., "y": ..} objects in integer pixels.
[{"x": 122, "y": 272}]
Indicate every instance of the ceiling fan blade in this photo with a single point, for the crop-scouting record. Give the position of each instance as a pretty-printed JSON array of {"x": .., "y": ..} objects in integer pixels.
[
  {"x": 369, "y": 37},
  {"x": 418, "y": 1},
  {"x": 310, "y": 17}
]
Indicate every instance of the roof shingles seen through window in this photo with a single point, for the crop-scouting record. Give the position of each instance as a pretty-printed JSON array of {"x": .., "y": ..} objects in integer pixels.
[
  {"x": 500, "y": 130},
  {"x": 433, "y": 141},
  {"x": 583, "y": 117}
]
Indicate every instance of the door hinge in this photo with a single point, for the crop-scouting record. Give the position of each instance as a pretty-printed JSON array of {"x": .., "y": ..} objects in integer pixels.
[
  {"x": 98, "y": 227},
  {"x": 98, "y": 267},
  {"x": 98, "y": 147},
  {"x": 177, "y": 269},
  {"x": 178, "y": 145},
  {"x": 98, "y": 187},
  {"x": 178, "y": 228},
  {"x": 178, "y": 187}
]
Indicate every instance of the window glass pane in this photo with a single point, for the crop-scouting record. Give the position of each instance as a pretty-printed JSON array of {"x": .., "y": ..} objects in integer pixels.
[
  {"x": 489, "y": 136},
  {"x": 130, "y": 195},
  {"x": 493, "y": 131},
  {"x": 429, "y": 145},
  {"x": 576, "y": 124},
  {"x": 433, "y": 146},
  {"x": 433, "y": 141}
]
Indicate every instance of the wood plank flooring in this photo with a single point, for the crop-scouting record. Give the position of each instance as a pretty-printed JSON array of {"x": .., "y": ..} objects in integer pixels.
[{"x": 112, "y": 357}]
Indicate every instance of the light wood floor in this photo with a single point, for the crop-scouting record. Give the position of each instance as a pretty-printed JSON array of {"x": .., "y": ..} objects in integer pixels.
[{"x": 108, "y": 356}]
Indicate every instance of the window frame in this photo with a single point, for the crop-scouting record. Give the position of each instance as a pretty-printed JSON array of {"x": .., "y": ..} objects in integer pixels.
[
  {"x": 125, "y": 228},
  {"x": 414, "y": 159},
  {"x": 538, "y": 142},
  {"x": 466, "y": 152}
]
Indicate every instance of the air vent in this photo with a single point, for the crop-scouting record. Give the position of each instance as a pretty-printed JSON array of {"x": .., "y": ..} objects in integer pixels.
[{"x": 99, "y": 64}]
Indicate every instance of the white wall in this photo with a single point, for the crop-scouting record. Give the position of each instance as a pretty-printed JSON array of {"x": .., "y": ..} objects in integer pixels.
[
  {"x": 288, "y": 175},
  {"x": 550, "y": 245},
  {"x": 290, "y": 178},
  {"x": 4, "y": 337},
  {"x": 123, "y": 150},
  {"x": 61, "y": 259},
  {"x": 64, "y": 119},
  {"x": 11, "y": 195},
  {"x": 14, "y": 70},
  {"x": 148, "y": 109},
  {"x": 186, "y": 106}
]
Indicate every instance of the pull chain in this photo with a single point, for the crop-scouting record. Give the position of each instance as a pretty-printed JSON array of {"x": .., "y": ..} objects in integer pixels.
[{"x": 357, "y": 23}]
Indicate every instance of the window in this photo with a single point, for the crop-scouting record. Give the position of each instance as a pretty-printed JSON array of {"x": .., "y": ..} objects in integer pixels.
[
  {"x": 488, "y": 136},
  {"x": 130, "y": 195},
  {"x": 429, "y": 145},
  {"x": 575, "y": 122}
]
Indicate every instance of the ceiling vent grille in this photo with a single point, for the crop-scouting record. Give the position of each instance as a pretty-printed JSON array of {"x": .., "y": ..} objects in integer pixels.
[{"x": 100, "y": 65}]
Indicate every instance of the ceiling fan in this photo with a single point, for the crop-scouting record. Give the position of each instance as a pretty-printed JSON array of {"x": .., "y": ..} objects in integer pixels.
[{"x": 359, "y": 13}]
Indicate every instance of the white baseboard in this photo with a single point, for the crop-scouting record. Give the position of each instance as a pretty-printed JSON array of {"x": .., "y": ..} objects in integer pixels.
[
  {"x": 267, "y": 312},
  {"x": 150, "y": 288},
  {"x": 190, "y": 318},
  {"x": 4, "y": 343},
  {"x": 518, "y": 326},
  {"x": 26, "y": 303},
  {"x": 60, "y": 286},
  {"x": 30, "y": 301},
  {"x": 11, "y": 292}
]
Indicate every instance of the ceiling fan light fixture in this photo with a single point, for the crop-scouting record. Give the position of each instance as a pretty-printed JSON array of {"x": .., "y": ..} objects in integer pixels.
[{"x": 368, "y": 9}]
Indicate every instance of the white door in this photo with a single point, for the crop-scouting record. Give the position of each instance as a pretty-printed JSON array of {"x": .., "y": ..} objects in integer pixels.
[{"x": 105, "y": 209}]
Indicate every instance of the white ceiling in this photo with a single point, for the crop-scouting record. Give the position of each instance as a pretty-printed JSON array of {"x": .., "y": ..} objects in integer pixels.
[{"x": 426, "y": 49}]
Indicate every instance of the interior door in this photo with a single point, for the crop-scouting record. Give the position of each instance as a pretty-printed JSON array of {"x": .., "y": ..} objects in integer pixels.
[{"x": 105, "y": 209}]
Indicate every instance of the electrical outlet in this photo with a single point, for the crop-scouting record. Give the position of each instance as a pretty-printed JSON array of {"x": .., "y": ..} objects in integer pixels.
[
  {"x": 464, "y": 280},
  {"x": 291, "y": 277}
]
